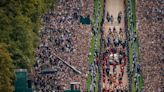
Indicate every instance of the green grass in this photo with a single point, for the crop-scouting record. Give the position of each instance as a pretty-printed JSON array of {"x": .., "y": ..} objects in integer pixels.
[
  {"x": 97, "y": 77},
  {"x": 89, "y": 81},
  {"x": 91, "y": 58},
  {"x": 134, "y": 13},
  {"x": 98, "y": 39},
  {"x": 96, "y": 9},
  {"x": 91, "y": 50},
  {"x": 99, "y": 27},
  {"x": 130, "y": 57},
  {"x": 133, "y": 85},
  {"x": 141, "y": 82}
]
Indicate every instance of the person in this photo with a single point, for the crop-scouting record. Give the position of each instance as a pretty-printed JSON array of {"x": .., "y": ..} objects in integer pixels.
[
  {"x": 114, "y": 29},
  {"x": 122, "y": 70},
  {"x": 104, "y": 90},
  {"x": 120, "y": 31},
  {"x": 119, "y": 17},
  {"x": 108, "y": 17},
  {"x": 109, "y": 30},
  {"x": 112, "y": 19},
  {"x": 108, "y": 71},
  {"x": 103, "y": 79},
  {"x": 108, "y": 44},
  {"x": 120, "y": 79},
  {"x": 116, "y": 42}
]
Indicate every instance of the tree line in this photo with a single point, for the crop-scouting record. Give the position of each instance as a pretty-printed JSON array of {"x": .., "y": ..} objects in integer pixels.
[{"x": 19, "y": 31}]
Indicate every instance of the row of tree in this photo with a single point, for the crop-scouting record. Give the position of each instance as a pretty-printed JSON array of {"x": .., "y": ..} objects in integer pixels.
[{"x": 19, "y": 30}]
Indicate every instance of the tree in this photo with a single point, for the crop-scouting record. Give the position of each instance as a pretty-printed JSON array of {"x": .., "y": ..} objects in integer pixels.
[
  {"x": 6, "y": 70},
  {"x": 19, "y": 29}
]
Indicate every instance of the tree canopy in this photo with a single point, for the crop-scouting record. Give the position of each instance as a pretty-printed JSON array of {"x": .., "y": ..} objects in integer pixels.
[
  {"x": 19, "y": 27},
  {"x": 6, "y": 70}
]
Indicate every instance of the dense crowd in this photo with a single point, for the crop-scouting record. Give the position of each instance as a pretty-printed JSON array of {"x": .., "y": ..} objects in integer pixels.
[
  {"x": 115, "y": 56},
  {"x": 151, "y": 34},
  {"x": 64, "y": 43}
]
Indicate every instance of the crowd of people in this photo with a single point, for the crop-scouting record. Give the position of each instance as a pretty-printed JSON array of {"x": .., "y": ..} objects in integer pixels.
[
  {"x": 151, "y": 34},
  {"x": 64, "y": 42},
  {"x": 114, "y": 61}
]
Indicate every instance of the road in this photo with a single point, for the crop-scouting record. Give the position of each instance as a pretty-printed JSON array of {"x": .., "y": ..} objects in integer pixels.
[{"x": 114, "y": 30}]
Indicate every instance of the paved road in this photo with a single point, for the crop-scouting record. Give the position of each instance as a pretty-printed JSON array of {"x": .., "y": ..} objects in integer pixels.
[{"x": 113, "y": 7}]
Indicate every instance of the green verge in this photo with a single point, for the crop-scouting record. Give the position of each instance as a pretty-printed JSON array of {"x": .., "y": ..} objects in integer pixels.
[
  {"x": 134, "y": 13},
  {"x": 91, "y": 56},
  {"x": 133, "y": 85},
  {"x": 100, "y": 19},
  {"x": 99, "y": 38},
  {"x": 130, "y": 56},
  {"x": 91, "y": 50},
  {"x": 141, "y": 81}
]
